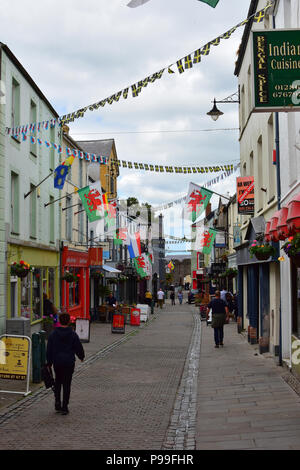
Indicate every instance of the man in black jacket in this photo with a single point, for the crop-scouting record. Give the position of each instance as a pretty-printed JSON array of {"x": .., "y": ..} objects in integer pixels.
[{"x": 63, "y": 344}]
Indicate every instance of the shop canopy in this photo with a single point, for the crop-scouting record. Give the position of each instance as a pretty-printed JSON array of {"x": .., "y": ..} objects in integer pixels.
[{"x": 110, "y": 269}]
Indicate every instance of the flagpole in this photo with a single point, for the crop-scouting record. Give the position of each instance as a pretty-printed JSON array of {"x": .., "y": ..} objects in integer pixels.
[
  {"x": 34, "y": 188},
  {"x": 221, "y": 195},
  {"x": 59, "y": 199},
  {"x": 69, "y": 207}
]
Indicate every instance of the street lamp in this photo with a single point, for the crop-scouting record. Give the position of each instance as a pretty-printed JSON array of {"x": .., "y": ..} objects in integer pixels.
[{"x": 215, "y": 113}]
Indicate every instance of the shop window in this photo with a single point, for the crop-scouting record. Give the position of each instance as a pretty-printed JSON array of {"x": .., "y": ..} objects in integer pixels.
[
  {"x": 51, "y": 284},
  {"x": 14, "y": 203},
  {"x": 296, "y": 301},
  {"x": 25, "y": 296},
  {"x": 33, "y": 119},
  {"x": 74, "y": 290},
  {"x": 13, "y": 297},
  {"x": 32, "y": 217},
  {"x": 37, "y": 294}
]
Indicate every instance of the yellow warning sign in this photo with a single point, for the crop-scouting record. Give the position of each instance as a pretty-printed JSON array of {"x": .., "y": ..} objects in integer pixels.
[{"x": 14, "y": 352}]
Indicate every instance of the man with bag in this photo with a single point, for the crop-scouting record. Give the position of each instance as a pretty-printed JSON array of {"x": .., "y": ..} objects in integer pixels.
[
  {"x": 220, "y": 315},
  {"x": 63, "y": 344}
]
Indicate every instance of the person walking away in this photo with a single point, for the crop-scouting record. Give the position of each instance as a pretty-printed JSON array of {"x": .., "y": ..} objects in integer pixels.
[
  {"x": 172, "y": 297},
  {"x": 63, "y": 345},
  {"x": 230, "y": 305},
  {"x": 160, "y": 297},
  {"x": 148, "y": 298},
  {"x": 223, "y": 294},
  {"x": 220, "y": 314},
  {"x": 180, "y": 297}
]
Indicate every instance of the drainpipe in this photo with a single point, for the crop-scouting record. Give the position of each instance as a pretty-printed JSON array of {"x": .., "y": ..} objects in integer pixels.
[{"x": 278, "y": 206}]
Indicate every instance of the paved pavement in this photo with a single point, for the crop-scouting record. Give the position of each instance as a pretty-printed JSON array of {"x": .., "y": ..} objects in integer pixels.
[{"x": 162, "y": 386}]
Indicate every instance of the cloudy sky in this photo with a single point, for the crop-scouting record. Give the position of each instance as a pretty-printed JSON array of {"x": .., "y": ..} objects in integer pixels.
[{"x": 79, "y": 52}]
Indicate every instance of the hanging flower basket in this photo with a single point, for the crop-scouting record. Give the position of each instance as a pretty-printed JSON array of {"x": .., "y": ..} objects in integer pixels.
[
  {"x": 262, "y": 251},
  {"x": 292, "y": 249},
  {"x": 20, "y": 269},
  {"x": 96, "y": 274},
  {"x": 70, "y": 277},
  {"x": 231, "y": 273}
]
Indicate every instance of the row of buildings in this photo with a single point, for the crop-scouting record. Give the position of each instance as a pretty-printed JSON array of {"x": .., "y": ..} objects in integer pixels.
[
  {"x": 268, "y": 290},
  {"x": 46, "y": 227}
]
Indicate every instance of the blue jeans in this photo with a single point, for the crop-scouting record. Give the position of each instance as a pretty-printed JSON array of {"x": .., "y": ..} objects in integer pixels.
[{"x": 219, "y": 335}]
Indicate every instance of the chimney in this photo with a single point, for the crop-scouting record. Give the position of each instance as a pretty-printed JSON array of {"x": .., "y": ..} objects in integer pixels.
[{"x": 208, "y": 209}]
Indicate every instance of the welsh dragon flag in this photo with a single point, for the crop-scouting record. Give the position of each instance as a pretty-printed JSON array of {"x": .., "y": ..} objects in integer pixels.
[
  {"x": 143, "y": 265},
  {"x": 93, "y": 201},
  {"x": 197, "y": 200},
  {"x": 205, "y": 239}
]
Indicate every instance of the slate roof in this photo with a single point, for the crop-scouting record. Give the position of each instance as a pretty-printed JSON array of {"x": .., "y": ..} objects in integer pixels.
[{"x": 101, "y": 148}]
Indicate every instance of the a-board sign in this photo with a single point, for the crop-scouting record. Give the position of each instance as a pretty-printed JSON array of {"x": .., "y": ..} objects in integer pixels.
[
  {"x": 83, "y": 329},
  {"x": 14, "y": 357}
]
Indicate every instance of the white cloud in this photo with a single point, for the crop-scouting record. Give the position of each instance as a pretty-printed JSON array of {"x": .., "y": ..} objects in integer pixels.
[{"x": 80, "y": 52}]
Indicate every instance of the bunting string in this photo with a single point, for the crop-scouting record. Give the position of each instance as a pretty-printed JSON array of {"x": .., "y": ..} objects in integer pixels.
[{"x": 181, "y": 65}]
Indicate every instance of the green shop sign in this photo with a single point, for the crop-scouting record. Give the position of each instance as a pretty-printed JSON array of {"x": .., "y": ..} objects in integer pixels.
[{"x": 276, "y": 67}]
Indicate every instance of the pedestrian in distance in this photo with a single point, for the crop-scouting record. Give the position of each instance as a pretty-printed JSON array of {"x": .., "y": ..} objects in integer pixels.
[
  {"x": 63, "y": 345},
  {"x": 172, "y": 297},
  {"x": 220, "y": 314},
  {"x": 180, "y": 297},
  {"x": 148, "y": 298},
  {"x": 223, "y": 294},
  {"x": 160, "y": 297}
]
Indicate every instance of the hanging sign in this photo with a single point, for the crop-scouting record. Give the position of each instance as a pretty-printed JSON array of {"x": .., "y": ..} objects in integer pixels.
[
  {"x": 276, "y": 67},
  {"x": 245, "y": 195}
]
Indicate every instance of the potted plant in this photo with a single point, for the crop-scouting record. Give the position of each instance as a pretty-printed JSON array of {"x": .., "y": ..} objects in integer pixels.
[
  {"x": 292, "y": 248},
  {"x": 103, "y": 291},
  {"x": 262, "y": 251},
  {"x": 68, "y": 276},
  {"x": 48, "y": 324},
  {"x": 20, "y": 269}
]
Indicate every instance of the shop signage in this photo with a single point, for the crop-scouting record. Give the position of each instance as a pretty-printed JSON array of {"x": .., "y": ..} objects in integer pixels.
[
  {"x": 220, "y": 241},
  {"x": 276, "y": 70},
  {"x": 75, "y": 258},
  {"x": 245, "y": 195},
  {"x": 95, "y": 257},
  {"x": 217, "y": 268},
  {"x": 15, "y": 359}
]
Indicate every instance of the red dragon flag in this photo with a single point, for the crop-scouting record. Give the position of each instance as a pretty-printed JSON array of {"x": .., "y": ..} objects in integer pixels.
[
  {"x": 197, "y": 200},
  {"x": 92, "y": 201}
]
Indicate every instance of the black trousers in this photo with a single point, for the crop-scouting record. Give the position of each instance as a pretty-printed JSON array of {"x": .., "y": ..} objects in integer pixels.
[{"x": 63, "y": 380}]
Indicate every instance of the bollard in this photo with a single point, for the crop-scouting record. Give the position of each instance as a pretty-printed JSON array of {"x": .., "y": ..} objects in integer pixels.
[
  {"x": 36, "y": 358},
  {"x": 43, "y": 347}
]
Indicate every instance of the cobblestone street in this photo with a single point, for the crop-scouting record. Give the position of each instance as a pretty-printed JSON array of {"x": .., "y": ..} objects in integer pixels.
[{"x": 162, "y": 386}]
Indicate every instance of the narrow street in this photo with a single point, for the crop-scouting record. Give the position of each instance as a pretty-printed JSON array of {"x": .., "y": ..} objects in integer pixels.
[{"x": 163, "y": 386}]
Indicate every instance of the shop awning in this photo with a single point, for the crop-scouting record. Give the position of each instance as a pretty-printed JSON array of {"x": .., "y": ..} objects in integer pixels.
[{"x": 110, "y": 269}]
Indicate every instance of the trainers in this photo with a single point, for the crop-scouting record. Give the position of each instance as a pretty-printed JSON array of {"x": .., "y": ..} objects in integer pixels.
[
  {"x": 216, "y": 346},
  {"x": 221, "y": 344},
  {"x": 64, "y": 411}
]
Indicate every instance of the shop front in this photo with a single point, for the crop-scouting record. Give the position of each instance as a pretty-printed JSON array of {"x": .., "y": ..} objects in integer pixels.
[
  {"x": 96, "y": 278},
  {"x": 25, "y": 292},
  {"x": 75, "y": 290}
]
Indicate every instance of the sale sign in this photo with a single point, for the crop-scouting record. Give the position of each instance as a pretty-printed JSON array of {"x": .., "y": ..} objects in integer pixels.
[{"x": 245, "y": 194}]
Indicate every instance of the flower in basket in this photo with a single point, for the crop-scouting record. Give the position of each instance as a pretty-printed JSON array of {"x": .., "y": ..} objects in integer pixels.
[
  {"x": 72, "y": 321},
  {"x": 261, "y": 250},
  {"x": 292, "y": 246},
  {"x": 20, "y": 269},
  {"x": 68, "y": 276}
]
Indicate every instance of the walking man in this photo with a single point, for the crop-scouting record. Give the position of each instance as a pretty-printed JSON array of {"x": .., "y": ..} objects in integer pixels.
[
  {"x": 160, "y": 297},
  {"x": 220, "y": 314},
  {"x": 63, "y": 344}
]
